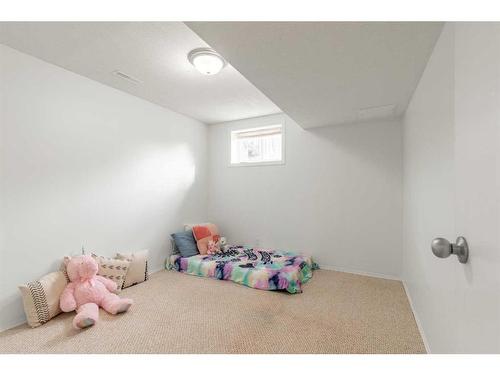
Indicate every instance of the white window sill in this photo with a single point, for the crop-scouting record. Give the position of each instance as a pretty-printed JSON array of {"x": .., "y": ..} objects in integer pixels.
[{"x": 258, "y": 164}]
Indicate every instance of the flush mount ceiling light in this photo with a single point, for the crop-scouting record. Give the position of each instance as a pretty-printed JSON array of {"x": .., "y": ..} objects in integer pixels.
[{"x": 206, "y": 61}]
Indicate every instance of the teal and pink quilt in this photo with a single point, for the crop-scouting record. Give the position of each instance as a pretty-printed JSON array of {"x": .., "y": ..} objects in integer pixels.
[{"x": 255, "y": 268}]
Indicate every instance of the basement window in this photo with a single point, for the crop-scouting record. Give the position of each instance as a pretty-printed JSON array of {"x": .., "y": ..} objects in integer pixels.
[{"x": 257, "y": 146}]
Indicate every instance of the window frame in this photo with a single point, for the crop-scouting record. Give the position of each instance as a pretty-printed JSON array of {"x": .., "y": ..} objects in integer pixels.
[{"x": 258, "y": 127}]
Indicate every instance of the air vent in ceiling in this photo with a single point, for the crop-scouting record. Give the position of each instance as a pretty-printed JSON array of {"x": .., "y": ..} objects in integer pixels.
[
  {"x": 127, "y": 77},
  {"x": 370, "y": 113}
]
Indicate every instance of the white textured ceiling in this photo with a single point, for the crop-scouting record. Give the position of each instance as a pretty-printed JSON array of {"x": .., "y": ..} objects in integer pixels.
[
  {"x": 154, "y": 53},
  {"x": 324, "y": 73}
]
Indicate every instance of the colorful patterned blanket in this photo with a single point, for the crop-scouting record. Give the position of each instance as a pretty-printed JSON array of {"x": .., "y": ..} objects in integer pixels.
[{"x": 256, "y": 268}]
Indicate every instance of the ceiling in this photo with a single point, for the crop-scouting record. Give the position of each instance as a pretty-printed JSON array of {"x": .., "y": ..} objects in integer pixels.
[
  {"x": 153, "y": 53},
  {"x": 319, "y": 73},
  {"x": 327, "y": 73}
]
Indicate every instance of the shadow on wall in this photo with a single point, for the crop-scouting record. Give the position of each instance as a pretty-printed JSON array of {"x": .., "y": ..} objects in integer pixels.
[{"x": 346, "y": 137}]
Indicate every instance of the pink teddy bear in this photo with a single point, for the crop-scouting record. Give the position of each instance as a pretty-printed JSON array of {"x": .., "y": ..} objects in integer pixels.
[{"x": 87, "y": 291}]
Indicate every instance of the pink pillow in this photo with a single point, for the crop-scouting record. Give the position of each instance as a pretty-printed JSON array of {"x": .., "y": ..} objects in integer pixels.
[{"x": 203, "y": 234}]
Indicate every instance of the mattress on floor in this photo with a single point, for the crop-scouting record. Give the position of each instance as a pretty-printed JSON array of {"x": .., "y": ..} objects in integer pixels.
[{"x": 255, "y": 268}]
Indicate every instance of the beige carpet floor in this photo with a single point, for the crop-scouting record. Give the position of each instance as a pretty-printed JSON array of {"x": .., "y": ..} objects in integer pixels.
[{"x": 176, "y": 313}]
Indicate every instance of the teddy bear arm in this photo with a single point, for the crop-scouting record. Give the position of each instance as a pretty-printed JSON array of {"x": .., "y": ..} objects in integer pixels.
[
  {"x": 109, "y": 284},
  {"x": 67, "y": 301}
]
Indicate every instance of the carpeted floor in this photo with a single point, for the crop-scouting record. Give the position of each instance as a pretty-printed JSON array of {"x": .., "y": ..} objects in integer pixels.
[{"x": 176, "y": 313}]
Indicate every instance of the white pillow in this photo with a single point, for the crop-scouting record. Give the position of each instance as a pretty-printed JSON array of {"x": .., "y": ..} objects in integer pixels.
[
  {"x": 113, "y": 269},
  {"x": 41, "y": 298},
  {"x": 138, "y": 269},
  {"x": 188, "y": 227}
]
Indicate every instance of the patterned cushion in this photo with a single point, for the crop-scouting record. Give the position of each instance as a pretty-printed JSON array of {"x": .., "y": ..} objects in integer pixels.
[
  {"x": 41, "y": 298},
  {"x": 138, "y": 270},
  {"x": 203, "y": 235},
  {"x": 113, "y": 269}
]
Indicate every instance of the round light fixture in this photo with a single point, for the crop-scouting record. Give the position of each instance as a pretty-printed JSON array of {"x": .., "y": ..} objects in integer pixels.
[{"x": 206, "y": 61}]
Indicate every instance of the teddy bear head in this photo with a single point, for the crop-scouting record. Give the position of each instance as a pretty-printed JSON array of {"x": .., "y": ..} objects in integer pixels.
[{"x": 81, "y": 268}]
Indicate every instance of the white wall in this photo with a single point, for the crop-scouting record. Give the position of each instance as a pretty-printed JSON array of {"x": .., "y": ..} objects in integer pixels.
[
  {"x": 85, "y": 164},
  {"x": 451, "y": 188},
  {"x": 429, "y": 191},
  {"x": 337, "y": 197}
]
